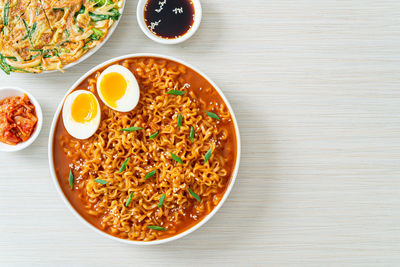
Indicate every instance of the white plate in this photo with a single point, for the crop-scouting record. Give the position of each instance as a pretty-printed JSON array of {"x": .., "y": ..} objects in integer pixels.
[
  {"x": 55, "y": 180},
  {"x": 15, "y": 91}
]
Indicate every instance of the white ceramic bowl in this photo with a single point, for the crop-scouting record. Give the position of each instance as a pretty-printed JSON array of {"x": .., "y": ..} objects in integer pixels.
[
  {"x": 55, "y": 180},
  {"x": 15, "y": 91},
  {"x": 142, "y": 24}
]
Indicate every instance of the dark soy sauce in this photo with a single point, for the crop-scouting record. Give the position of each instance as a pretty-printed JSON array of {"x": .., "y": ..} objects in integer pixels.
[{"x": 169, "y": 18}]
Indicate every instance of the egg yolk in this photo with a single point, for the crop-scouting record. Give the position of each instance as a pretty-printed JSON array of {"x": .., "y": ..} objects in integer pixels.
[
  {"x": 112, "y": 88},
  {"x": 84, "y": 108}
]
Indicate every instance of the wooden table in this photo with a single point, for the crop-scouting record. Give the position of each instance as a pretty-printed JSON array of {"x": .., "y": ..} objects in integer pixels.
[{"x": 315, "y": 87}]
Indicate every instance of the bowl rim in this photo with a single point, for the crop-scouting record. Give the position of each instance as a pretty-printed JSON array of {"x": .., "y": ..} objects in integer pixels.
[
  {"x": 39, "y": 123},
  {"x": 142, "y": 25},
  {"x": 91, "y": 51},
  {"x": 133, "y": 242}
]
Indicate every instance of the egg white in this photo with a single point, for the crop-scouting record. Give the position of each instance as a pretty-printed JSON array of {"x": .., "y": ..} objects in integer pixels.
[
  {"x": 131, "y": 97},
  {"x": 76, "y": 129}
]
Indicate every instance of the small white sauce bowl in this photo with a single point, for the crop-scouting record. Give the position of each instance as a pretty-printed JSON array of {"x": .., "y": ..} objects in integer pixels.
[
  {"x": 9, "y": 91},
  {"x": 142, "y": 24}
]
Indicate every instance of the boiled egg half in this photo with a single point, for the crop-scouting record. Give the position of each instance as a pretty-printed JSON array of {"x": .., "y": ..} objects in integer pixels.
[
  {"x": 81, "y": 114},
  {"x": 118, "y": 88}
]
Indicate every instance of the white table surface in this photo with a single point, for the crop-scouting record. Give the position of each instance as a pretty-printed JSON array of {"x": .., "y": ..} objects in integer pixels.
[{"x": 315, "y": 87}]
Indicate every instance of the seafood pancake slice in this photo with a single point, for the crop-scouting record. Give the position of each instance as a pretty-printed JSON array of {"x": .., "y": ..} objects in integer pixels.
[
  {"x": 39, "y": 35},
  {"x": 24, "y": 41},
  {"x": 80, "y": 24}
]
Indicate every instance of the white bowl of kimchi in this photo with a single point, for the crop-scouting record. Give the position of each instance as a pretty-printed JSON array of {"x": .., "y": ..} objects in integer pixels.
[{"x": 7, "y": 92}]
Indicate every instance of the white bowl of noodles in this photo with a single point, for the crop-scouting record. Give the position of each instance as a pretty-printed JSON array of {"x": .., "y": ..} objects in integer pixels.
[{"x": 62, "y": 185}]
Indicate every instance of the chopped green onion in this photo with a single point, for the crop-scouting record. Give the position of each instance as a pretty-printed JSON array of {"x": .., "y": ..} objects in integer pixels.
[
  {"x": 131, "y": 129},
  {"x": 7, "y": 71},
  {"x": 115, "y": 14},
  {"x": 64, "y": 50},
  {"x": 179, "y": 121},
  {"x": 154, "y": 135},
  {"x": 129, "y": 200},
  {"x": 99, "y": 17},
  {"x": 176, "y": 92},
  {"x": 81, "y": 10},
  {"x": 176, "y": 158},
  {"x": 194, "y": 195},
  {"x": 100, "y": 181},
  {"x": 123, "y": 166},
  {"x": 213, "y": 115},
  {"x": 150, "y": 174},
  {"x": 12, "y": 58},
  {"x": 94, "y": 37},
  {"x": 102, "y": 2},
  {"x": 66, "y": 33},
  {"x": 55, "y": 52},
  {"x": 207, "y": 155},
  {"x": 65, "y": 42},
  {"x": 6, "y": 13},
  {"x": 80, "y": 29},
  {"x": 38, "y": 54},
  {"x": 191, "y": 135},
  {"x": 29, "y": 32},
  {"x": 7, "y": 68},
  {"x": 32, "y": 29},
  {"x": 86, "y": 45},
  {"x": 97, "y": 34},
  {"x": 45, "y": 52},
  {"x": 155, "y": 227},
  {"x": 26, "y": 29},
  {"x": 71, "y": 179},
  {"x": 161, "y": 202},
  {"x": 58, "y": 9},
  {"x": 4, "y": 66}
]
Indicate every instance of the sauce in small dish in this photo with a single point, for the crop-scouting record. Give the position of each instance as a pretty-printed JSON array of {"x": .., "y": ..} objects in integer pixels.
[
  {"x": 169, "y": 18},
  {"x": 169, "y": 21}
]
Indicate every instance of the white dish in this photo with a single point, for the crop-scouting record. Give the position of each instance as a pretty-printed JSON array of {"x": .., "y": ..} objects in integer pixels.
[
  {"x": 142, "y": 24},
  {"x": 55, "y": 180},
  {"x": 15, "y": 91}
]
